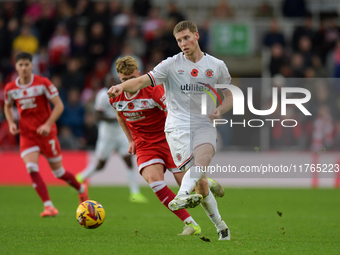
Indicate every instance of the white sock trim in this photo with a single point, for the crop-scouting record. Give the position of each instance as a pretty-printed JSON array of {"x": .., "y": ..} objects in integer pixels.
[
  {"x": 48, "y": 203},
  {"x": 209, "y": 183},
  {"x": 157, "y": 186},
  {"x": 209, "y": 205},
  {"x": 190, "y": 180},
  {"x": 81, "y": 189},
  {"x": 190, "y": 220},
  {"x": 59, "y": 172},
  {"x": 32, "y": 167},
  {"x": 207, "y": 196},
  {"x": 221, "y": 226}
]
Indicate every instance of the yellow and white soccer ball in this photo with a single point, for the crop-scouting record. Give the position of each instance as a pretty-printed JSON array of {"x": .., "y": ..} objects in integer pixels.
[{"x": 90, "y": 214}]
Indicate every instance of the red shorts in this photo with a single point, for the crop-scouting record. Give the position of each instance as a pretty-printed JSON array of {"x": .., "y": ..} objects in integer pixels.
[
  {"x": 48, "y": 146},
  {"x": 155, "y": 153}
]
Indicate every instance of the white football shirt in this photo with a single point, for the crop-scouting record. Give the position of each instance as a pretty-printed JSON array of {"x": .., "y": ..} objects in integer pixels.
[
  {"x": 106, "y": 128},
  {"x": 185, "y": 82},
  {"x": 102, "y": 103}
]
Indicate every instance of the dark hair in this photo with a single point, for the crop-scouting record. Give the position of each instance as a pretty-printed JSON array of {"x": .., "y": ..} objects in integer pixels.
[{"x": 23, "y": 55}]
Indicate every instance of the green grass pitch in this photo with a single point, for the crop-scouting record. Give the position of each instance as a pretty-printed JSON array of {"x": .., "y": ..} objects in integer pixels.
[{"x": 309, "y": 223}]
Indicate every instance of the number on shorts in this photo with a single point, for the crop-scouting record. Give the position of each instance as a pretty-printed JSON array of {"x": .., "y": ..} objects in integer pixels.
[{"x": 52, "y": 142}]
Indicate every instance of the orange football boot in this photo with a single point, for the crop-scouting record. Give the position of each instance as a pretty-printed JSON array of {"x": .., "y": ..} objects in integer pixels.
[
  {"x": 85, "y": 195},
  {"x": 49, "y": 211}
]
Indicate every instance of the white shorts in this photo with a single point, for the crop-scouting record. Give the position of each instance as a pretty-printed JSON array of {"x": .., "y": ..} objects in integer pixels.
[
  {"x": 111, "y": 137},
  {"x": 183, "y": 142}
]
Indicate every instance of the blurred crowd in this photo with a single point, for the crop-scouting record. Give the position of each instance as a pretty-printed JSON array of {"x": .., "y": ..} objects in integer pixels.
[
  {"x": 310, "y": 58},
  {"x": 76, "y": 43},
  {"x": 318, "y": 132},
  {"x": 308, "y": 52}
]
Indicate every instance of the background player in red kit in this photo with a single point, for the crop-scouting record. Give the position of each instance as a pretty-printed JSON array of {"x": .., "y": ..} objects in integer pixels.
[
  {"x": 142, "y": 117},
  {"x": 37, "y": 128}
]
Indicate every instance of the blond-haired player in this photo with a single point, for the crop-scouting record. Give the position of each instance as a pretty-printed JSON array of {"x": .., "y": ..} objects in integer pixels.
[
  {"x": 190, "y": 135},
  {"x": 142, "y": 116},
  {"x": 111, "y": 138}
]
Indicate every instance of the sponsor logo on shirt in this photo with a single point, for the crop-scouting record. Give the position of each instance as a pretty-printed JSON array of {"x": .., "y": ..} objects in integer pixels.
[
  {"x": 180, "y": 71},
  {"x": 133, "y": 116},
  {"x": 27, "y": 103},
  {"x": 144, "y": 104},
  {"x": 209, "y": 73},
  {"x": 194, "y": 87}
]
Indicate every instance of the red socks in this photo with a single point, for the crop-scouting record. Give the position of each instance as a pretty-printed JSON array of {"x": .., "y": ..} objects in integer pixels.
[
  {"x": 40, "y": 186},
  {"x": 165, "y": 195},
  {"x": 70, "y": 179}
]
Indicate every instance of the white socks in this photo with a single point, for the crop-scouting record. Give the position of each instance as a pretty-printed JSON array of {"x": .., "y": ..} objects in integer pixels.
[
  {"x": 209, "y": 205},
  {"x": 81, "y": 189},
  {"x": 209, "y": 183},
  {"x": 132, "y": 176},
  {"x": 88, "y": 172},
  {"x": 190, "y": 180},
  {"x": 190, "y": 220},
  {"x": 48, "y": 203}
]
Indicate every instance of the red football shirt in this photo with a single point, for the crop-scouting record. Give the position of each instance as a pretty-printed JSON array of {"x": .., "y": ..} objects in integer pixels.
[
  {"x": 32, "y": 101},
  {"x": 144, "y": 113}
]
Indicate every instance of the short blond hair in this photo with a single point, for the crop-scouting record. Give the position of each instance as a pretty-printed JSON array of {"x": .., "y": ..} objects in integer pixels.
[
  {"x": 186, "y": 24},
  {"x": 126, "y": 65}
]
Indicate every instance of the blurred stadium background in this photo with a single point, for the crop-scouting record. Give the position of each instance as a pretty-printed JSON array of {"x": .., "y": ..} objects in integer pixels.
[{"x": 76, "y": 42}]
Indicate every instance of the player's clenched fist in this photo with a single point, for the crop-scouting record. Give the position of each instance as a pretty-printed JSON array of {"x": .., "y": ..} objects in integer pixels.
[
  {"x": 13, "y": 129},
  {"x": 44, "y": 129},
  {"x": 114, "y": 91},
  {"x": 132, "y": 147},
  {"x": 215, "y": 114}
]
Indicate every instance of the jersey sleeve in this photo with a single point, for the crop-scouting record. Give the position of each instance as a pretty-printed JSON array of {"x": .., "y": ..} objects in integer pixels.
[
  {"x": 113, "y": 102},
  {"x": 158, "y": 95},
  {"x": 101, "y": 101},
  {"x": 224, "y": 76},
  {"x": 8, "y": 96},
  {"x": 50, "y": 90},
  {"x": 160, "y": 73}
]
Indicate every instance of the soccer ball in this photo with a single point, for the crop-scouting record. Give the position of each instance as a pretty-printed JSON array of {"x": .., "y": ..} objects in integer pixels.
[{"x": 90, "y": 214}]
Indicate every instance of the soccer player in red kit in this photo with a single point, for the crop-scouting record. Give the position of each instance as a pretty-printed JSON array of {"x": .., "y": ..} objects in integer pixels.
[
  {"x": 142, "y": 117},
  {"x": 37, "y": 129}
]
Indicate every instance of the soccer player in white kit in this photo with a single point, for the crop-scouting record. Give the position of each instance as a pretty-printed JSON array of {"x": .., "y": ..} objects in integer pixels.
[
  {"x": 190, "y": 135},
  {"x": 111, "y": 138}
]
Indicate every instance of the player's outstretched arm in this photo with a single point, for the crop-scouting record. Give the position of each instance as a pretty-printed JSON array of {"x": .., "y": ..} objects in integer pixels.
[
  {"x": 13, "y": 129},
  {"x": 131, "y": 86},
  {"x": 58, "y": 108}
]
